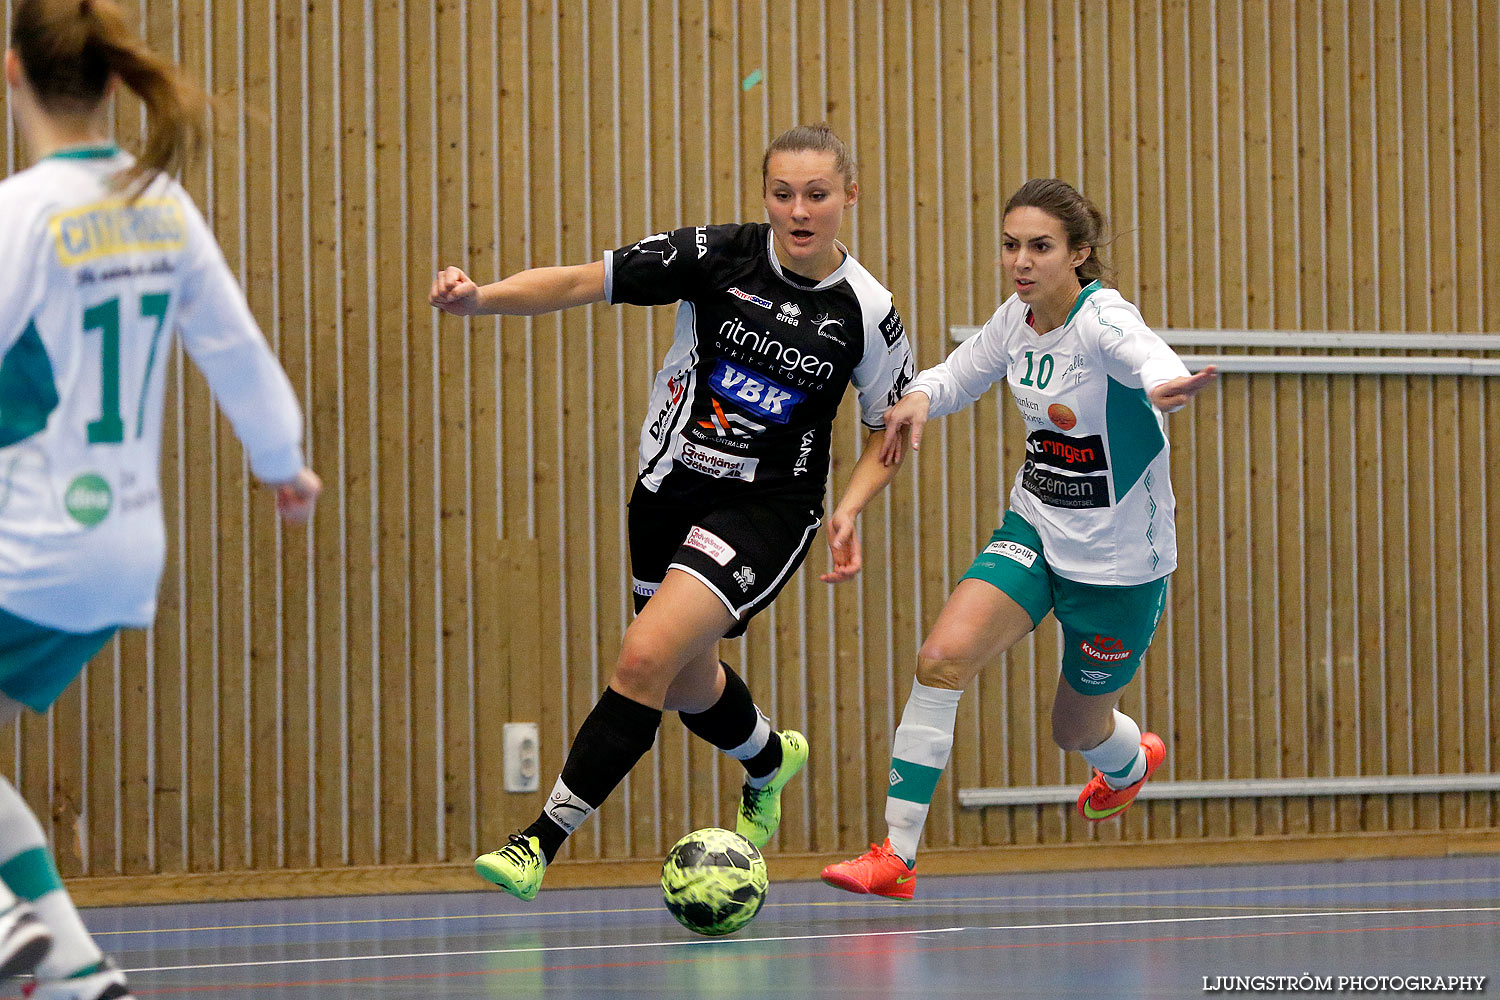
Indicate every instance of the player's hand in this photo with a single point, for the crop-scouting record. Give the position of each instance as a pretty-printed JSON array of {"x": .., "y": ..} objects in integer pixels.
[
  {"x": 1176, "y": 394},
  {"x": 843, "y": 546},
  {"x": 295, "y": 498},
  {"x": 909, "y": 415},
  {"x": 454, "y": 292}
]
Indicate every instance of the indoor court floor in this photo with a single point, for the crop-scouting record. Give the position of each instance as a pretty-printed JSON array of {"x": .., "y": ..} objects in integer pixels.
[{"x": 1170, "y": 932}]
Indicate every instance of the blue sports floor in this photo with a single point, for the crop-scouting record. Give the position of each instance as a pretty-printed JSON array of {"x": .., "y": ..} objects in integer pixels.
[{"x": 1170, "y": 932}]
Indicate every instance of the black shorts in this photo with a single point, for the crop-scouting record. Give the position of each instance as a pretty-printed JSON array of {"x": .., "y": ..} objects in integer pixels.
[{"x": 745, "y": 552}]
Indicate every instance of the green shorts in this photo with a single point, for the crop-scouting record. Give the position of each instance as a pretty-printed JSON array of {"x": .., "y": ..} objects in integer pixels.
[
  {"x": 38, "y": 663},
  {"x": 1105, "y": 629}
]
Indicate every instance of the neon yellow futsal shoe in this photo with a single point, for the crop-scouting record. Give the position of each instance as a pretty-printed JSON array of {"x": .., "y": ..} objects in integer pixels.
[
  {"x": 760, "y": 808},
  {"x": 517, "y": 867}
]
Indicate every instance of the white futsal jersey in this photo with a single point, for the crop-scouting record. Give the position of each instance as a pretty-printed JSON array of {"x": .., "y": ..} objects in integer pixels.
[
  {"x": 92, "y": 289},
  {"x": 1095, "y": 482}
]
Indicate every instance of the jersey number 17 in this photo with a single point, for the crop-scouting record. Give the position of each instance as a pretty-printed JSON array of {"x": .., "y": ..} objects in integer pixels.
[{"x": 105, "y": 317}]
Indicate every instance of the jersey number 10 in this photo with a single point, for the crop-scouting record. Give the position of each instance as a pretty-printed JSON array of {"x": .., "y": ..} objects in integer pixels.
[{"x": 105, "y": 317}]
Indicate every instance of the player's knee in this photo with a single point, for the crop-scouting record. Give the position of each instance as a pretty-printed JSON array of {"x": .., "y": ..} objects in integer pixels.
[
  {"x": 1070, "y": 738},
  {"x": 1072, "y": 734},
  {"x": 937, "y": 669},
  {"x": 642, "y": 665}
]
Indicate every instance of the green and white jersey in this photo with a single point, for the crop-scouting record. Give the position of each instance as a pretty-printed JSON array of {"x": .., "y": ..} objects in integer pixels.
[
  {"x": 92, "y": 289},
  {"x": 1095, "y": 482}
]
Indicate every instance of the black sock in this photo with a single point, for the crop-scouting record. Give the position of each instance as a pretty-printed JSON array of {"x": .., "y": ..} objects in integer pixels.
[
  {"x": 616, "y": 734},
  {"x": 768, "y": 760},
  {"x": 729, "y": 722}
]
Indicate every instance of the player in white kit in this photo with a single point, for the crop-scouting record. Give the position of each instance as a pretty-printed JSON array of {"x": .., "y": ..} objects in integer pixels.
[
  {"x": 1089, "y": 535},
  {"x": 102, "y": 258}
]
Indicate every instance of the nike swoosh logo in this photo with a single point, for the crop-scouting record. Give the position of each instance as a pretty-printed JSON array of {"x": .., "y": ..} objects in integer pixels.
[
  {"x": 1093, "y": 813},
  {"x": 903, "y": 881}
]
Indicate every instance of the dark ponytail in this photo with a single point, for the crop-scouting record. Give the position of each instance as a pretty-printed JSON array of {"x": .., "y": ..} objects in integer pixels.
[{"x": 69, "y": 49}]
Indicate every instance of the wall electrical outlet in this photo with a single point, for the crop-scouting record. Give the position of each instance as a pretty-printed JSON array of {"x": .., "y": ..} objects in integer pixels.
[{"x": 523, "y": 763}]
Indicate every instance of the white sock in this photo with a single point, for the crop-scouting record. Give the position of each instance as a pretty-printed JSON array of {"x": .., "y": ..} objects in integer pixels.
[
  {"x": 28, "y": 867},
  {"x": 566, "y": 809},
  {"x": 1119, "y": 757},
  {"x": 760, "y": 737},
  {"x": 919, "y": 752}
]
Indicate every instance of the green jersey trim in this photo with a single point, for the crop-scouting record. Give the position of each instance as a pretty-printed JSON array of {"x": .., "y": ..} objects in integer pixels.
[
  {"x": 28, "y": 391},
  {"x": 1135, "y": 438},
  {"x": 1083, "y": 294},
  {"x": 86, "y": 153}
]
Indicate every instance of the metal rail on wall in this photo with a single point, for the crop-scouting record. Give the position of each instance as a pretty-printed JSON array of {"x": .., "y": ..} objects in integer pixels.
[
  {"x": 1243, "y": 788},
  {"x": 1327, "y": 364}
]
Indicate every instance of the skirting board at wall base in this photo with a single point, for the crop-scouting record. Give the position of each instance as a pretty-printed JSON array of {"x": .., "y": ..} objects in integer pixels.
[{"x": 286, "y": 884}]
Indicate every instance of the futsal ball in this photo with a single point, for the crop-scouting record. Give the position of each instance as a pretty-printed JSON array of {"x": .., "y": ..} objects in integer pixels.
[{"x": 713, "y": 881}]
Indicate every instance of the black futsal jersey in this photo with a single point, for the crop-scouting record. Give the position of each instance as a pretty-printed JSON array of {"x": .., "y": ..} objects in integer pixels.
[{"x": 743, "y": 406}]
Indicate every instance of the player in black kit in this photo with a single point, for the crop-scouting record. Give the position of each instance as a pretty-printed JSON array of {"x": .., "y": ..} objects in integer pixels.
[{"x": 775, "y": 322}]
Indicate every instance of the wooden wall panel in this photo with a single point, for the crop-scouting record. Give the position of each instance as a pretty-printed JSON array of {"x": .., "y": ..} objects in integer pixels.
[{"x": 333, "y": 697}]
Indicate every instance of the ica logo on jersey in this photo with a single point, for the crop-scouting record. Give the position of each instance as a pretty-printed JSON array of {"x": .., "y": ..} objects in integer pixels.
[{"x": 755, "y": 392}]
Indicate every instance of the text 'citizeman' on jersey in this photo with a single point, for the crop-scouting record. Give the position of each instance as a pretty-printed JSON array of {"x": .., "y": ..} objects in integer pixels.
[
  {"x": 1095, "y": 484},
  {"x": 745, "y": 400}
]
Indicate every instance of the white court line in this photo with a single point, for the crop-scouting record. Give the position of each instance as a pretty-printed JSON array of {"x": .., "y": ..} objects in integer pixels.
[
  {"x": 904, "y": 904},
  {"x": 912, "y": 932}
]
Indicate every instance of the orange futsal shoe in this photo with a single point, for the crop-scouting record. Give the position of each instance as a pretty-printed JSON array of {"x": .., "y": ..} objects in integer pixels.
[
  {"x": 878, "y": 872},
  {"x": 1099, "y": 801}
]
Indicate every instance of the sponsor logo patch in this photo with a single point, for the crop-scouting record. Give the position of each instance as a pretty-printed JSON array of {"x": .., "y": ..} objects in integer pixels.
[
  {"x": 791, "y": 360},
  {"x": 566, "y": 809},
  {"x": 756, "y": 299},
  {"x": 730, "y": 424},
  {"x": 1105, "y": 649},
  {"x": 88, "y": 499},
  {"x": 675, "y": 386},
  {"x": 643, "y": 589},
  {"x": 1070, "y": 492},
  {"x": 1080, "y": 454},
  {"x": 106, "y": 229},
  {"x": 701, "y": 239},
  {"x": 710, "y": 545},
  {"x": 830, "y": 327},
  {"x": 1012, "y": 550},
  {"x": 1062, "y": 416},
  {"x": 804, "y": 452},
  {"x": 754, "y": 392},
  {"x": 892, "y": 330},
  {"x": 661, "y": 245},
  {"x": 717, "y": 463},
  {"x": 900, "y": 378},
  {"x": 1076, "y": 365}
]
